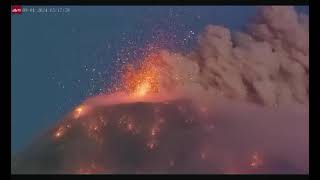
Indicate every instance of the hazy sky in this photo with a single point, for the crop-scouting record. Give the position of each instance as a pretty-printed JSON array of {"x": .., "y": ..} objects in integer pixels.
[{"x": 58, "y": 59}]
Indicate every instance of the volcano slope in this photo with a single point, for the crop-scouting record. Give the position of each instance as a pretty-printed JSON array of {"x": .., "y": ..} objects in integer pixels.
[{"x": 173, "y": 136}]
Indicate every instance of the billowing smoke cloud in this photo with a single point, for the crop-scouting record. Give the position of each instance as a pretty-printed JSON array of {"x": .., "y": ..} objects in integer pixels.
[{"x": 268, "y": 65}]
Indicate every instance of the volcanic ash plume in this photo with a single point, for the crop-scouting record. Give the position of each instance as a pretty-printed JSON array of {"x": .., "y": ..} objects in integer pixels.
[{"x": 268, "y": 65}]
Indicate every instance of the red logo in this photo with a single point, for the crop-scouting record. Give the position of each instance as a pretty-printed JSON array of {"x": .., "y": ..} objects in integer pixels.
[{"x": 16, "y": 9}]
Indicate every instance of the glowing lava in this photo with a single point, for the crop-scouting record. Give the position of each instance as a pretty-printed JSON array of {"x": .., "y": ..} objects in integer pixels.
[
  {"x": 144, "y": 79},
  {"x": 59, "y": 133},
  {"x": 256, "y": 160},
  {"x": 78, "y": 111},
  {"x": 142, "y": 89}
]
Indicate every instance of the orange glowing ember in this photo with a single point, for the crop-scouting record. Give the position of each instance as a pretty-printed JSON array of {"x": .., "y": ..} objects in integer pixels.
[
  {"x": 59, "y": 132},
  {"x": 145, "y": 79},
  {"x": 130, "y": 126},
  {"x": 155, "y": 131},
  {"x": 151, "y": 145},
  {"x": 91, "y": 169},
  {"x": 256, "y": 160},
  {"x": 78, "y": 111}
]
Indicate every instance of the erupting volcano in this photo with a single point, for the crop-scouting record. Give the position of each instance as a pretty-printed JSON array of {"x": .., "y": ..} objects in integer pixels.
[
  {"x": 230, "y": 106},
  {"x": 144, "y": 80}
]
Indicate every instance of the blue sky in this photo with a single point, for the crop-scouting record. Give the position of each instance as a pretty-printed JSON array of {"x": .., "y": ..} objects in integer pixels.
[{"x": 58, "y": 59}]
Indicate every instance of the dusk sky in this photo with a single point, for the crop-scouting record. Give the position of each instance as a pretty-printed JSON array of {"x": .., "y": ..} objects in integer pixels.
[{"x": 59, "y": 59}]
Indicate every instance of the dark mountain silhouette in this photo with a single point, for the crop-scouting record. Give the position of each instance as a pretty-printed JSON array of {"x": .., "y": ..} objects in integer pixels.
[{"x": 157, "y": 137}]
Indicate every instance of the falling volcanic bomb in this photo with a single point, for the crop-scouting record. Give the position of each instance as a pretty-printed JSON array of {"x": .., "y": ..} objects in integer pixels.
[{"x": 232, "y": 105}]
